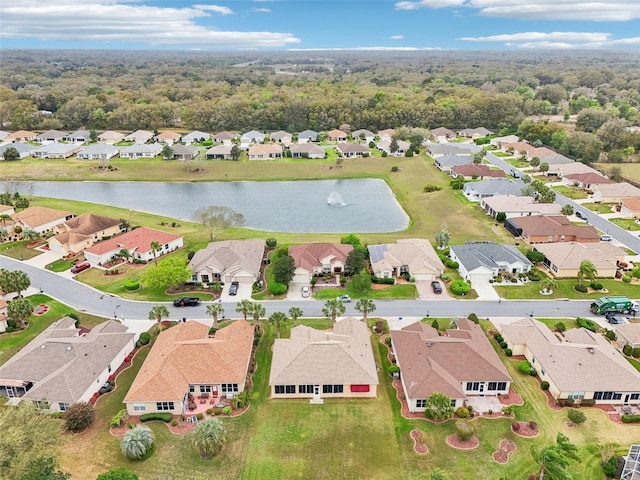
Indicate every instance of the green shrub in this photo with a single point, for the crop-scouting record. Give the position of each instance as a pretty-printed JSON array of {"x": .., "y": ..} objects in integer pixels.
[
  {"x": 385, "y": 155},
  {"x": 525, "y": 367},
  {"x": 276, "y": 288},
  {"x": 431, "y": 188},
  {"x": 190, "y": 254},
  {"x": 118, "y": 418},
  {"x": 544, "y": 385},
  {"x": 444, "y": 276},
  {"x": 596, "y": 285},
  {"x": 145, "y": 338},
  {"x": 626, "y": 279},
  {"x": 383, "y": 281},
  {"x": 463, "y": 412},
  {"x": 392, "y": 369},
  {"x": 576, "y": 416},
  {"x": 500, "y": 217},
  {"x": 610, "y": 334},
  {"x": 388, "y": 340},
  {"x": 199, "y": 416},
  {"x": 209, "y": 411},
  {"x": 560, "y": 327},
  {"x": 635, "y": 353},
  {"x": 226, "y": 410},
  {"x": 271, "y": 242},
  {"x": 174, "y": 422},
  {"x": 394, "y": 168},
  {"x": 131, "y": 285},
  {"x": 451, "y": 264},
  {"x": 162, "y": 416},
  {"x": 535, "y": 256},
  {"x": 534, "y": 276},
  {"x": 498, "y": 337},
  {"x": 587, "y": 402},
  {"x": 79, "y": 416},
  {"x": 281, "y": 252},
  {"x": 474, "y": 318},
  {"x": 217, "y": 411},
  {"x": 460, "y": 287},
  {"x": 457, "y": 184},
  {"x": 626, "y": 349},
  {"x": 503, "y": 345},
  {"x": 75, "y": 316},
  {"x": 588, "y": 324},
  {"x": 565, "y": 402},
  {"x": 581, "y": 288},
  {"x": 508, "y": 352},
  {"x": 464, "y": 429},
  {"x": 610, "y": 467},
  {"x": 630, "y": 418}
]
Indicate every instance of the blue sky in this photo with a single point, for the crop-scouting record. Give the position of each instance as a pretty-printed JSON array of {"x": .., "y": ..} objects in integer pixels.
[{"x": 316, "y": 25}]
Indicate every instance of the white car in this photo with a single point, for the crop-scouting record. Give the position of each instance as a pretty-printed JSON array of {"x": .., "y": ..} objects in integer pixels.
[{"x": 306, "y": 291}]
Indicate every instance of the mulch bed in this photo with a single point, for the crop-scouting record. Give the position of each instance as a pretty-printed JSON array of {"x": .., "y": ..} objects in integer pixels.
[
  {"x": 511, "y": 399},
  {"x": 525, "y": 430},
  {"x": 418, "y": 446},
  {"x": 505, "y": 447},
  {"x": 41, "y": 309},
  {"x": 455, "y": 442}
]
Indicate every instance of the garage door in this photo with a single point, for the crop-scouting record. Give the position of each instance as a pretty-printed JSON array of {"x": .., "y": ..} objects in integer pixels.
[
  {"x": 424, "y": 276},
  {"x": 239, "y": 278},
  {"x": 301, "y": 278}
]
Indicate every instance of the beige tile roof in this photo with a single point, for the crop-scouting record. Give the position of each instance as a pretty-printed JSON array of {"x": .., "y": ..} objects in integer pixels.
[
  {"x": 83, "y": 226},
  {"x": 416, "y": 253},
  {"x": 571, "y": 168},
  {"x": 35, "y": 216},
  {"x": 229, "y": 255},
  {"x": 631, "y": 331},
  {"x": 430, "y": 363},
  {"x": 168, "y": 135},
  {"x": 265, "y": 149},
  {"x": 308, "y": 255},
  {"x": 336, "y": 134},
  {"x": 585, "y": 362},
  {"x": 518, "y": 203},
  {"x": 63, "y": 365},
  {"x": 480, "y": 170},
  {"x": 567, "y": 255},
  {"x": 554, "y": 225},
  {"x": 20, "y": 134},
  {"x": 311, "y": 356},
  {"x": 632, "y": 203},
  {"x": 622, "y": 189},
  {"x": 184, "y": 355}
]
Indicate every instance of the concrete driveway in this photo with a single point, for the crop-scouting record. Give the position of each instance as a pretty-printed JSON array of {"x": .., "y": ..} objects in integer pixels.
[
  {"x": 244, "y": 292},
  {"x": 485, "y": 291},
  {"x": 295, "y": 291},
  {"x": 425, "y": 292},
  {"x": 44, "y": 259}
]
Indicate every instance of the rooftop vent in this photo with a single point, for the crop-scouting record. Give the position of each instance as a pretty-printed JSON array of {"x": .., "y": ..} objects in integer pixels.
[
  {"x": 69, "y": 348},
  {"x": 43, "y": 346},
  {"x": 591, "y": 350}
]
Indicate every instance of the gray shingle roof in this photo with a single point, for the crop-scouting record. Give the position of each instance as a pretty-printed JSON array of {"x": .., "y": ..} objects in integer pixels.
[
  {"x": 487, "y": 254},
  {"x": 495, "y": 186}
]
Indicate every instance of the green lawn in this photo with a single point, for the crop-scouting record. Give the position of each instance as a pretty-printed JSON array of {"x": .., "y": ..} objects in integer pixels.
[
  {"x": 551, "y": 322},
  {"x": 60, "y": 265},
  {"x": 531, "y": 290},
  {"x": 403, "y": 291},
  {"x": 516, "y": 163},
  {"x": 634, "y": 362},
  {"x": 626, "y": 223},
  {"x": 599, "y": 207},
  {"x": 570, "y": 192},
  {"x": 18, "y": 250}
]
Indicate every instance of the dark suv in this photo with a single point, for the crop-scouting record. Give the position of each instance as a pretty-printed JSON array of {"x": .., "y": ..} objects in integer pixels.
[
  {"x": 436, "y": 287},
  {"x": 233, "y": 289},
  {"x": 186, "y": 302}
]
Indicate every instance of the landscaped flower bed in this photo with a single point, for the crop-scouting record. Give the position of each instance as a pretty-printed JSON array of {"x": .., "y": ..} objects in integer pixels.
[
  {"x": 505, "y": 447},
  {"x": 418, "y": 446}
]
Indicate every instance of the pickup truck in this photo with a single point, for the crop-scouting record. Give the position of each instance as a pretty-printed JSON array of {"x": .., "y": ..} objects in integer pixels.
[{"x": 186, "y": 302}]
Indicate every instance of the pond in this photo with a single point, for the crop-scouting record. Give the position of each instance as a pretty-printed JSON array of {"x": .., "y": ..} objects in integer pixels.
[{"x": 310, "y": 206}]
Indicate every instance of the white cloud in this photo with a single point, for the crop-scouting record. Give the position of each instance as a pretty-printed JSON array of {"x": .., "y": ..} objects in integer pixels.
[
  {"x": 540, "y": 36},
  {"x": 117, "y": 21},
  {"x": 261, "y": 10},
  {"x": 346, "y": 49},
  {"x": 578, "y": 10},
  {"x": 396, "y": 37}
]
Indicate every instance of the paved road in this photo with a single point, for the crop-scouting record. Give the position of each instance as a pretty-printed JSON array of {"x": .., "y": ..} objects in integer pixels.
[{"x": 85, "y": 298}]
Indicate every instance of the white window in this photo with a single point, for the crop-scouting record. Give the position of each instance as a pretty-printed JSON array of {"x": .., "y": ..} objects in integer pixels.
[
  {"x": 205, "y": 388},
  {"x": 63, "y": 406},
  {"x": 139, "y": 407},
  {"x": 421, "y": 403},
  {"x": 164, "y": 406}
]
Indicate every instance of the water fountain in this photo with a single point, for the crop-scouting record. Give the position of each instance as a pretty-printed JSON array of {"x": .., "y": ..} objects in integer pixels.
[{"x": 335, "y": 200}]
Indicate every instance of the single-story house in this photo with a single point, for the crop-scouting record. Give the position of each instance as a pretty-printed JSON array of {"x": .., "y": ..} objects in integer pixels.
[
  {"x": 413, "y": 256},
  {"x": 145, "y": 150},
  {"x": 281, "y": 137},
  {"x": 184, "y": 152},
  {"x": 628, "y": 334},
  {"x": 482, "y": 261},
  {"x": 228, "y": 261},
  {"x": 337, "y": 136},
  {"x": 431, "y": 363},
  {"x": 226, "y": 138},
  {"x": 317, "y": 259},
  {"x": 476, "y": 191},
  {"x": 261, "y": 151},
  {"x": 402, "y": 147},
  {"x": 474, "y": 133},
  {"x": 307, "y": 150},
  {"x": 22, "y": 136},
  {"x": 185, "y": 363},
  {"x": 554, "y": 158},
  {"x": 363, "y": 135},
  {"x": 307, "y": 136},
  {"x": 581, "y": 365},
  {"x": 196, "y": 137},
  {"x": 518, "y": 148},
  {"x": 585, "y": 181},
  {"x": 446, "y": 162},
  {"x": 51, "y": 136},
  {"x": 139, "y": 136},
  {"x": 325, "y": 364},
  {"x": 562, "y": 169},
  {"x": 630, "y": 207},
  {"x": 98, "y": 151},
  {"x": 79, "y": 136},
  {"x": 110, "y": 137},
  {"x": 78, "y": 233},
  {"x": 614, "y": 192},
  {"x": 471, "y": 170},
  {"x": 168, "y": 138},
  {"x": 386, "y": 135},
  {"x": 40, "y": 219},
  {"x": 56, "y": 150},
  {"x": 517, "y": 206},
  {"x": 439, "y": 149},
  {"x": 23, "y": 149},
  {"x": 220, "y": 152},
  {"x": 563, "y": 259},
  {"x": 7, "y": 210},
  {"x": 63, "y": 366},
  {"x": 251, "y": 137},
  {"x": 137, "y": 242},
  {"x": 352, "y": 150},
  {"x": 550, "y": 228},
  {"x": 442, "y": 134},
  {"x": 499, "y": 141}
]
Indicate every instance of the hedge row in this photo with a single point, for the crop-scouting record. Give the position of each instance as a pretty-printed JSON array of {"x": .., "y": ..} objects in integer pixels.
[
  {"x": 163, "y": 416},
  {"x": 630, "y": 418},
  {"x": 586, "y": 323},
  {"x": 385, "y": 281}
]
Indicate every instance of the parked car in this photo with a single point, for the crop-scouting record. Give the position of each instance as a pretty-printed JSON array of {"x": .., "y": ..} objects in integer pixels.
[
  {"x": 606, "y": 238},
  {"x": 233, "y": 288},
  {"x": 344, "y": 298},
  {"x": 80, "y": 267},
  {"x": 186, "y": 302},
  {"x": 581, "y": 215},
  {"x": 306, "y": 291},
  {"x": 614, "y": 319},
  {"x": 436, "y": 287}
]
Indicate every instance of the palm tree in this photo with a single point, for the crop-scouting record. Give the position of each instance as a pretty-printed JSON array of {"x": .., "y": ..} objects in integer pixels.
[
  {"x": 208, "y": 437},
  {"x": 443, "y": 236},
  {"x": 548, "y": 285},
  {"x": 215, "y": 309},
  {"x": 157, "y": 313},
  {"x": 365, "y": 305},
  {"x": 587, "y": 270},
  {"x": 155, "y": 247},
  {"x": 295, "y": 313},
  {"x": 4, "y": 218},
  {"x": 277, "y": 318},
  {"x": 554, "y": 459},
  {"x": 438, "y": 474},
  {"x": 257, "y": 312},
  {"x": 244, "y": 307},
  {"x": 333, "y": 308},
  {"x": 30, "y": 235},
  {"x": 137, "y": 442},
  {"x": 124, "y": 254}
]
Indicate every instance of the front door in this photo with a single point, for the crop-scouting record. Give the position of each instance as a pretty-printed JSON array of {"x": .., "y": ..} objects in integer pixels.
[
  {"x": 11, "y": 392},
  {"x": 316, "y": 389},
  {"x": 626, "y": 398},
  {"x": 481, "y": 391}
]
